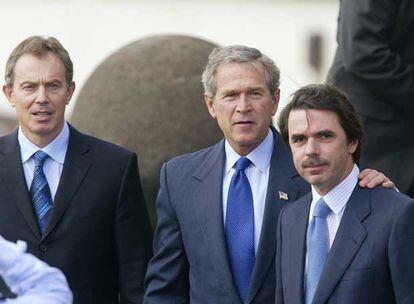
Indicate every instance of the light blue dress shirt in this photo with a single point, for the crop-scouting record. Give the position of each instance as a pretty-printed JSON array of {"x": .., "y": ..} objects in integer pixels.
[
  {"x": 336, "y": 199},
  {"x": 33, "y": 281},
  {"x": 53, "y": 165}
]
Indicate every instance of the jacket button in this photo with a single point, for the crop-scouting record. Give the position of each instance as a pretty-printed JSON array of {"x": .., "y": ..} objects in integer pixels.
[{"x": 43, "y": 248}]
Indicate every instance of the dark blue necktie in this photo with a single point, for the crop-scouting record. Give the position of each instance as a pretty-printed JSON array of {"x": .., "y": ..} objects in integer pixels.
[
  {"x": 240, "y": 228},
  {"x": 40, "y": 192},
  {"x": 317, "y": 247}
]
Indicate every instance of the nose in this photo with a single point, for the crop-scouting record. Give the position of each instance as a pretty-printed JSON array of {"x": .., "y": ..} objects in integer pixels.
[
  {"x": 312, "y": 148},
  {"x": 41, "y": 96},
  {"x": 243, "y": 104}
]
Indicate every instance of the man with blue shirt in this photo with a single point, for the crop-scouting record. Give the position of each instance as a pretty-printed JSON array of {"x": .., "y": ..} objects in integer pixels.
[
  {"x": 217, "y": 208},
  {"x": 32, "y": 280},
  {"x": 340, "y": 243},
  {"x": 74, "y": 199}
]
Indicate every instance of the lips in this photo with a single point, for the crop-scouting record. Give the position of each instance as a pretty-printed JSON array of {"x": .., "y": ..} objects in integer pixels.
[
  {"x": 42, "y": 116},
  {"x": 244, "y": 122},
  {"x": 42, "y": 113},
  {"x": 314, "y": 169}
]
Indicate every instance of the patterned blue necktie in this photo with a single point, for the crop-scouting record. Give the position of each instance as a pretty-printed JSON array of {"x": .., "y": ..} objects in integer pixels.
[
  {"x": 40, "y": 192},
  {"x": 240, "y": 228},
  {"x": 317, "y": 247}
]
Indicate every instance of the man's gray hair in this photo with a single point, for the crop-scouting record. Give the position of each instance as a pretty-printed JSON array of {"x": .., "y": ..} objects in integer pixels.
[{"x": 238, "y": 54}]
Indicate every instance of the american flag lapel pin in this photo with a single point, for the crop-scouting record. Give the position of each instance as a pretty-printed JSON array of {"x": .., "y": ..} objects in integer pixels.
[{"x": 283, "y": 196}]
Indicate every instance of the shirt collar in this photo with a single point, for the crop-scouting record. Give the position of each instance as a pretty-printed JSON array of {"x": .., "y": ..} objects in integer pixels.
[
  {"x": 337, "y": 198},
  {"x": 56, "y": 149},
  {"x": 260, "y": 156}
]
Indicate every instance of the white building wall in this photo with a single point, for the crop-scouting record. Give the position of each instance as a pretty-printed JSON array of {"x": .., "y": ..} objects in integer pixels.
[{"x": 92, "y": 30}]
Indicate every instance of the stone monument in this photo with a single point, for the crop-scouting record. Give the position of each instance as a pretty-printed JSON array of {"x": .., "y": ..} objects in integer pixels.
[{"x": 148, "y": 97}]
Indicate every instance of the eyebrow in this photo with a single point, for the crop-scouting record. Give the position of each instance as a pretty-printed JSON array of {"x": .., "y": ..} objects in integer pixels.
[
  {"x": 297, "y": 136},
  {"x": 27, "y": 82},
  {"x": 228, "y": 92},
  {"x": 318, "y": 133},
  {"x": 325, "y": 132}
]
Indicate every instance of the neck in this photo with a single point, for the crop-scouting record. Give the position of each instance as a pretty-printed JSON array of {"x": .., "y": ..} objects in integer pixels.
[
  {"x": 243, "y": 151},
  {"x": 41, "y": 140}
]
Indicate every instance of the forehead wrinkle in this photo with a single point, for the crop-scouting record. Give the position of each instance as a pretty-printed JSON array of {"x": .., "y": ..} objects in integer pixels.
[
  {"x": 37, "y": 81},
  {"x": 254, "y": 88},
  {"x": 237, "y": 71},
  {"x": 45, "y": 68},
  {"x": 243, "y": 86}
]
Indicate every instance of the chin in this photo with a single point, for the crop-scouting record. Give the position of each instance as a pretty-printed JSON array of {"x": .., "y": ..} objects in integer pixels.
[
  {"x": 315, "y": 181},
  {"x": 248, "y": 140},
  {"x": 42, "y": 127},
  {"x": 43, "y": 131}
]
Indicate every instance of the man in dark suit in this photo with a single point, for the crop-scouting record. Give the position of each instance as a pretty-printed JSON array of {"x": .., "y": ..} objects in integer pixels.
[
  {"x": 374, "y": 65},
  {"x": 76, "y": 200},
  {"x": 197, "y": 256},
  {"x": 340, "y": 243}
]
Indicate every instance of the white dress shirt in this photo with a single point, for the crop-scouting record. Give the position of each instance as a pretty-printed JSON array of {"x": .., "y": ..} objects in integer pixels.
[
  {"x": 257, "y": 174},
  {"x": 32, "y": 280},
  {"x": 53, "y": 165}
]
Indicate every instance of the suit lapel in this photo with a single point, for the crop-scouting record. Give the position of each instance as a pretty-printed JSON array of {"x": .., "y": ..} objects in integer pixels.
[
  {"x": 77, "y": 163},
  {"x": 14, "y": 180},
  {"x": 207, "y": 194},
  {"x": 297, "y": 249},
  {"x": 351, "y": 234},
  {"x": 280, "y": 190}
]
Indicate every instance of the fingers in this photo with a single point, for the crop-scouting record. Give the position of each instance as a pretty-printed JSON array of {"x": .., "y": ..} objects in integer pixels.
[
  {"x": 368, "y": 177},
  {"x": 390, "y": 185},
  {"x": 372, "y": 178},
  {"x": 364, "y": 173}
]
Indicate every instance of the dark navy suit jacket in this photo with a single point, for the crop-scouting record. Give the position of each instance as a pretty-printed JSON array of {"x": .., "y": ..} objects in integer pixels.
[
  {"x": 371, "y": 258},
  {"x": 98, "y": 233},
  {"x": 190, "y": 261}
]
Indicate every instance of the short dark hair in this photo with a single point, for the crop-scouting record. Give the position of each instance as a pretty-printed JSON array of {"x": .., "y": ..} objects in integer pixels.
[
  {"x": 39, "y": 46},
  {"x": 329, "y": 98}
]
